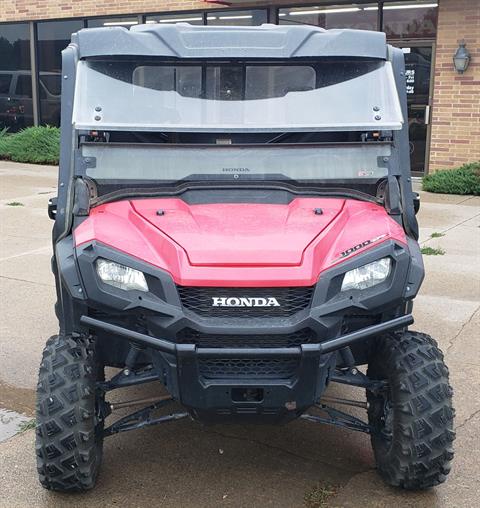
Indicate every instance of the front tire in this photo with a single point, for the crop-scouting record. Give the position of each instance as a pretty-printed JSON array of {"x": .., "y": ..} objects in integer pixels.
[
  {"x": 69, "y": 438},
  {"x": 412, "y": 418}
]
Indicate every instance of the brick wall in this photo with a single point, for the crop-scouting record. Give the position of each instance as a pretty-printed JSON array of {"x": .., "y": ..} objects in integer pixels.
[
  {"x": 455, "y": 137},
  {"x": 19, "y": 10}
]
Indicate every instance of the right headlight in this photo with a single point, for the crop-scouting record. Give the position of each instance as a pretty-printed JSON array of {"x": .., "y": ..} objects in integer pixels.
[
  {"x": 120, "y": 276},
  {"x": 368, "y": 275}
]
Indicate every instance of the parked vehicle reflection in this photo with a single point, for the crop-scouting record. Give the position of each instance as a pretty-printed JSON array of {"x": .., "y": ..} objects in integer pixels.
[{"x": 16, "y": 105}]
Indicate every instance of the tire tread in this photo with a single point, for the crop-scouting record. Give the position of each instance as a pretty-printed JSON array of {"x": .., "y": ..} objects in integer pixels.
[
  {"x": 421, "y": 452},
  {"x": 67, "y": 447}
]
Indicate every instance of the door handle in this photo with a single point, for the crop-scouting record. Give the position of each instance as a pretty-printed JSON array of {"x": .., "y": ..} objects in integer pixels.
[{"x": 427, "y": 114}]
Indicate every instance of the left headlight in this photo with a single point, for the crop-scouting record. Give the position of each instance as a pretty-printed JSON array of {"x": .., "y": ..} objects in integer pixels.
[
  {"x": 120, "y": 276},
  {"x": 368, "y": 275}
]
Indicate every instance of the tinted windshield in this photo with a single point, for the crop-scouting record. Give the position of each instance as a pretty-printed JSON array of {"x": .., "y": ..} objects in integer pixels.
[{"x": 333, "y": 94}]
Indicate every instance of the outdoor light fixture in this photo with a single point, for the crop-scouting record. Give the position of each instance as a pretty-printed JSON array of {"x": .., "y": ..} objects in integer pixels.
[{"x": 461, "y": 58}]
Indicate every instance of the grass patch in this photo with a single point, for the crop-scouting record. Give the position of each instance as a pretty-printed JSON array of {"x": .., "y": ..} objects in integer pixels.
[
  {"x": 15, "y": 203},
  {"x": 319, "y": 495},
  {"x": 24, "y": 426},
  {"x": 462, "y": 180},
  {"x": 36, "y": 145},
  {"x": 431, "y": 251},
  {"x": 437, "y": 235}
]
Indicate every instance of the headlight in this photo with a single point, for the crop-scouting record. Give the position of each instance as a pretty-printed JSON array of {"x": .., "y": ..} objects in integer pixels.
[
  {"x": 121, "y": 276},
  {"x": 367, "y": 276}
]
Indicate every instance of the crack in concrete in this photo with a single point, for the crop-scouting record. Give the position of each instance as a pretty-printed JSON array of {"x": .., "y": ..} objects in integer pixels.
[
  {"x": 451, "y": 227},
  {"x": 453, "y": 339},
  {"x": 287, "y": 452},
  {"x": 467, "y": 420},
  {"x": 28, "y": 281},
  {"x": 465, "y": 200},
  {"x": 27, "y": 237},
  {"x": 34, "y": 251}
]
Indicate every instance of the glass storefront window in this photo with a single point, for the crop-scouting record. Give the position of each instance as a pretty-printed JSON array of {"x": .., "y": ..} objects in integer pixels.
[
  {"x": 123, "y": 21},
  {"x": 357, "y": 16},
  {"x": 237, "y": 18},
  {"x": 418, "y": 70},
  {"x": 53, "y": 37},
  {"x": 16, "y": 109},
  {"x": 195, "y": 18},
  {"x": 410, "y": 20}
]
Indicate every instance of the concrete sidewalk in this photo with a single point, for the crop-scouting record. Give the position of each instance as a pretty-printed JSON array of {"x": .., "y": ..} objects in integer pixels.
[{"x": 185, "y": 464}]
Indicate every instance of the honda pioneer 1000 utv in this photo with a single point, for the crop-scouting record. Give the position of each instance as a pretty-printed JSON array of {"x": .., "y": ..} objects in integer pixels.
[{"x": 235, "y": 221}]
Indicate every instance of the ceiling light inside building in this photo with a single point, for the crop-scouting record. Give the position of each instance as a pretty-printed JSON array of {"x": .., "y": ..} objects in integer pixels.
[
  {"x": 249, "y": 16},
  {"x": 406, "y": 6},
  {"x": 120, "y": 23},
  {"x": 179, "y": 20},
  {"x": 324, "y": 11}
]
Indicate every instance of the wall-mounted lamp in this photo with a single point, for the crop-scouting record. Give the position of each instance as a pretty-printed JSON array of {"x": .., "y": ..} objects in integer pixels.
[{"x": 461, "y": 58}]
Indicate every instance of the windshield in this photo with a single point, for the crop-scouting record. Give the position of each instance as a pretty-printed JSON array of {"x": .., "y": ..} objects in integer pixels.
[
  {"x": 137, "y": 163},
  {"x": 249, "y": 96},
  {"x": 303, "y": 121}
]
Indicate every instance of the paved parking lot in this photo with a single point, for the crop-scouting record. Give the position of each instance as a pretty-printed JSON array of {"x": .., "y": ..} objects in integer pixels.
[{"x": 185, "y": 464}]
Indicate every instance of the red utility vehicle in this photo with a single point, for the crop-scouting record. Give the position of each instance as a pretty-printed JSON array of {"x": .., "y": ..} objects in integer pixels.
[{"x": 235, "y": 221}]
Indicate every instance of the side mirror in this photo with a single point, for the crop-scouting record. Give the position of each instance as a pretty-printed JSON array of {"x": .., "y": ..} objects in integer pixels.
[
  {"x": 52, "y": 207},
  {"x": 416, "y": 202}
]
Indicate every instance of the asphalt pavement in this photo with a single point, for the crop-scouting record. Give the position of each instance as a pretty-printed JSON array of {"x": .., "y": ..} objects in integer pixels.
[{"x": 189, "y": 465}]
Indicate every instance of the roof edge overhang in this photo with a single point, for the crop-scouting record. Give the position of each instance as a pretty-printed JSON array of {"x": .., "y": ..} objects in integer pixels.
[{"x": 182, "y": 40}]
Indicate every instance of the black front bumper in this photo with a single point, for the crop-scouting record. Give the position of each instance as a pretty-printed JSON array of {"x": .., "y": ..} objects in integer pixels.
[
  {"x": 182, "y": 343},
  {"x": 242, "y": 399}
]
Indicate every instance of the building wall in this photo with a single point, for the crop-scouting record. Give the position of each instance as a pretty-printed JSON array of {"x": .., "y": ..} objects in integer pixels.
[
  {"x": 19, "y": 10},
  {"x": 455, "y": 137},
  {"x": 455, "y": 121}
]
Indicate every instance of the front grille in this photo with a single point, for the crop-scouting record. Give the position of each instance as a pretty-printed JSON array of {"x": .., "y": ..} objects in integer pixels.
[
  {"x": 200, "y": 300},
  {"x": 295, "y": 339},
  {"x": 251, "y": 368}
]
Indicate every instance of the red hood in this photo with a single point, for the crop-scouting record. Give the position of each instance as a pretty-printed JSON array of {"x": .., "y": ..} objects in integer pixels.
[
  {"x": 240, "y": 244},
  {"x": 241, "y": 234}
]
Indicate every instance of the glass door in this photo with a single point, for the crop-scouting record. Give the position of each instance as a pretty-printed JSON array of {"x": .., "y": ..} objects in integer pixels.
[{"x": 419, "y": 74}]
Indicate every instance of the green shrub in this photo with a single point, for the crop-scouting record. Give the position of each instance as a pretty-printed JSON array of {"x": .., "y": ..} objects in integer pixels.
[
  {"x": 37, "y": 145},
  {"x": 462, "y": 180}
]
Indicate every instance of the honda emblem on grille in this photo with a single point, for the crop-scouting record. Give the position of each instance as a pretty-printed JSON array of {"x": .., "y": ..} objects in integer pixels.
[{"x": 223, "y": 301}]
